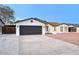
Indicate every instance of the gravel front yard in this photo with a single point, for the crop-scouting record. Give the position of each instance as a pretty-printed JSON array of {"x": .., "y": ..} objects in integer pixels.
[
  {"x": 68, "y": 37},
  {"x": 35, "y": 45}
]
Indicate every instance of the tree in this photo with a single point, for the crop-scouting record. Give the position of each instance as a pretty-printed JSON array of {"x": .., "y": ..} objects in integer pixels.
[{"x": 6, "y": 14}]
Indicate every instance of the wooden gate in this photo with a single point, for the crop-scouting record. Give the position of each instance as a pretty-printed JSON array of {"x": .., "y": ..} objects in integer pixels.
[{"x": 9, "y": 29}]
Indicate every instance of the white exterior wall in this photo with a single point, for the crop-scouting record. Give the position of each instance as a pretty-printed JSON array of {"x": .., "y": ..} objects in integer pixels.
[
  {"x": 50, "y": 28},
  {"x": 1, "y": 25},
  {"x": 34, "y": 23},
  {"x": 17, "y": 30},
  {"x": 77, "y": 29},
  {"x": 63, "y": 25},
  {"x": 28, "y": 23},
  {"x": 43, "y": 30}
]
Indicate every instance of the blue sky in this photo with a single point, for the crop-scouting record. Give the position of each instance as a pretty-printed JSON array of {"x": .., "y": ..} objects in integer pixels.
[{"x": 68, "y": 13}]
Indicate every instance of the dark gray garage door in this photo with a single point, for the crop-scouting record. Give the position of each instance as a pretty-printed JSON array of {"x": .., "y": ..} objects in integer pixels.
[{"x": 29, "y": 30}]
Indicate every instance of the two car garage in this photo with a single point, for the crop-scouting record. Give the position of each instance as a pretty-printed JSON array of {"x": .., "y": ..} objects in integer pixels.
[
  {"x": 30, "y": 26},
  {"x": 30, "y": 30}
]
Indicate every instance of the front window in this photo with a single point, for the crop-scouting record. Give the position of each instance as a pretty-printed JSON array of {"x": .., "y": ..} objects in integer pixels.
[
  {"x": 65, "y": 28},
  {"x": 61, "y": 29},
  {"x": 46, "y": 28},
  {"x": 54, "y": 28}
]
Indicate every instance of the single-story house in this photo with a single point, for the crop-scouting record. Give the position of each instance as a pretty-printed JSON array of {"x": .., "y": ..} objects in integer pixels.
[
  {"x": 34, "y": 26},
  {"x": 1, "y": 25}
]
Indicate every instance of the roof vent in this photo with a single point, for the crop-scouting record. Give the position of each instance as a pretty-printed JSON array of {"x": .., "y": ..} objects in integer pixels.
[{"x": 31, "y": 21}]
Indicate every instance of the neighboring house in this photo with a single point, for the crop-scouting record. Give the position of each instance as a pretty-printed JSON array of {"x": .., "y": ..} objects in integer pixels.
[
  {"x": 62, "y": 28},
  {"x": 1, "y": 25}
]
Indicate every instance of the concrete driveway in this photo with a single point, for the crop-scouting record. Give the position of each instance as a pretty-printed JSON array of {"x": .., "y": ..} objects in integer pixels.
[
  {"x": 9, "y": 44},
  {"x": 43, "y": 45},
  {"x": 35, "y": 45}
]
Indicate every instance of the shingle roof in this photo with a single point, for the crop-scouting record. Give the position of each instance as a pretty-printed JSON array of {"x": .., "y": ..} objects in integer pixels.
[
  {"x": 53, "y": 23},
  {"x": 30, "y": 19}
]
